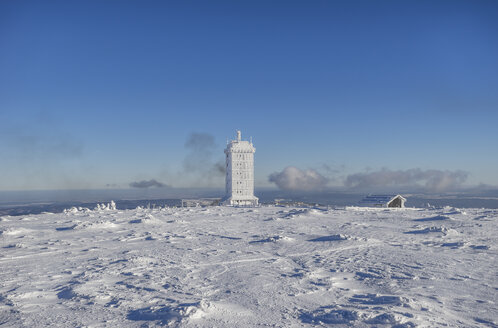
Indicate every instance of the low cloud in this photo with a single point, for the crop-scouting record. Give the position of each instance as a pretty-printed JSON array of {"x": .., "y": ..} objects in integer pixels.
[
  {"x": 200, "y": 147},
  {"x": 431, "y": 180},
  {"x": 147, "y": 184},
  {"x": 293, "y": 178},
  {"x": 219, "y": 168},
  {"x": 201, "y": 160}
]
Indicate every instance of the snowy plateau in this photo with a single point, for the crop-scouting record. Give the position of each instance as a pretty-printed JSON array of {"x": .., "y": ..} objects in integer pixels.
[{"x": 250, "y": 267}]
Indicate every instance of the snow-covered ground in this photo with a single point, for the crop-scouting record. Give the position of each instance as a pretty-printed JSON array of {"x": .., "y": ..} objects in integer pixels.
[{"x": 236, "y": 267}]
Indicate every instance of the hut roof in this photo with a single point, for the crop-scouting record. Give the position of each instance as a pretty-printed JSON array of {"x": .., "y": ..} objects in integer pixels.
[{"x": 379, "y": 200}]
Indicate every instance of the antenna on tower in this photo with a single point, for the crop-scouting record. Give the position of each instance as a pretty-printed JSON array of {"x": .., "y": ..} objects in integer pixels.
[{"x": 239, "y": 137}]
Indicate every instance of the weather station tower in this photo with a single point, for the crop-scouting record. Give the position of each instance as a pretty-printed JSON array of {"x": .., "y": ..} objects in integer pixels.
[{"x": 240, "y": 173}]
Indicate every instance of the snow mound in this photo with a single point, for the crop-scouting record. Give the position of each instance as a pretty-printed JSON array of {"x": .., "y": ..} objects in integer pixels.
[
  {"x": 389, "y": 319},
  {"x": 71, "y": 227},
  {"x": 375, "y": 299},
  {"x": 102, "y": 224},
  {"x": 481, "y": 247},
  {"x": 427, "y": 230},
  {"x": 337, "y": 237},
  {"x": 455, "y": 244},
  {"x": 328, "y": 316},
  {"x": 170, "y": 314},
  {"x": 16, "y": 231},
  {"x": 146, "y": 218},
  {"x": 453, "y": 210},
  {"x": 271, "y": 239},
  {"x": 16, "y": 245},
  {"x": 434, "y": 218},
  {"x": 218, "y": 310},
  {"x": 301, "y": 212},
  {"x": 166, "y": 315}
]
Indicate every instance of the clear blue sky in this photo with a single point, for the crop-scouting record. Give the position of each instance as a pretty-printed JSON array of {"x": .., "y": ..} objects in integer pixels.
[{"x": 96, "y": 93}]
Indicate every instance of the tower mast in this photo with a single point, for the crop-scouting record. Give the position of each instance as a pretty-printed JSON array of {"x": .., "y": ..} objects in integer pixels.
[{"x": 240, "y": 173}]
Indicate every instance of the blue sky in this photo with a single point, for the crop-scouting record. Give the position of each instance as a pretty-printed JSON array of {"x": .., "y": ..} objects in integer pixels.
[{"x": 97, "y": 94}]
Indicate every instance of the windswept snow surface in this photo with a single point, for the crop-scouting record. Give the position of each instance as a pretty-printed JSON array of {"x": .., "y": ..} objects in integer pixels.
[{"x": 241, "y": 267}]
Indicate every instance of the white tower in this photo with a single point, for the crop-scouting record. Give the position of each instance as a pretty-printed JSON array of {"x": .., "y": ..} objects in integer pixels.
[{"x": 240, "y": 173}]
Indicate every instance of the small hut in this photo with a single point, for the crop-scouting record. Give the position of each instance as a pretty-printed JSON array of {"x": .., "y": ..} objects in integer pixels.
[{"x": 383, "y": 201}]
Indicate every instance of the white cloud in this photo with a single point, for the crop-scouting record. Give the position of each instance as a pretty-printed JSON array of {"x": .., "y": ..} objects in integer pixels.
[
  {"x": 293, "y": 178},
  {"x": 433, "y": 180}
]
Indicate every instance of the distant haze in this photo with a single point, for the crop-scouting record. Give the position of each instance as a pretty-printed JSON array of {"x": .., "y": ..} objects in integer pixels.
[{"x": 147, "y": 184}]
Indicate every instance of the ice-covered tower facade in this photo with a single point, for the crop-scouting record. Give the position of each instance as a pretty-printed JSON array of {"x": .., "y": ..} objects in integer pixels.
[{"x": 240, "y": 173}]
